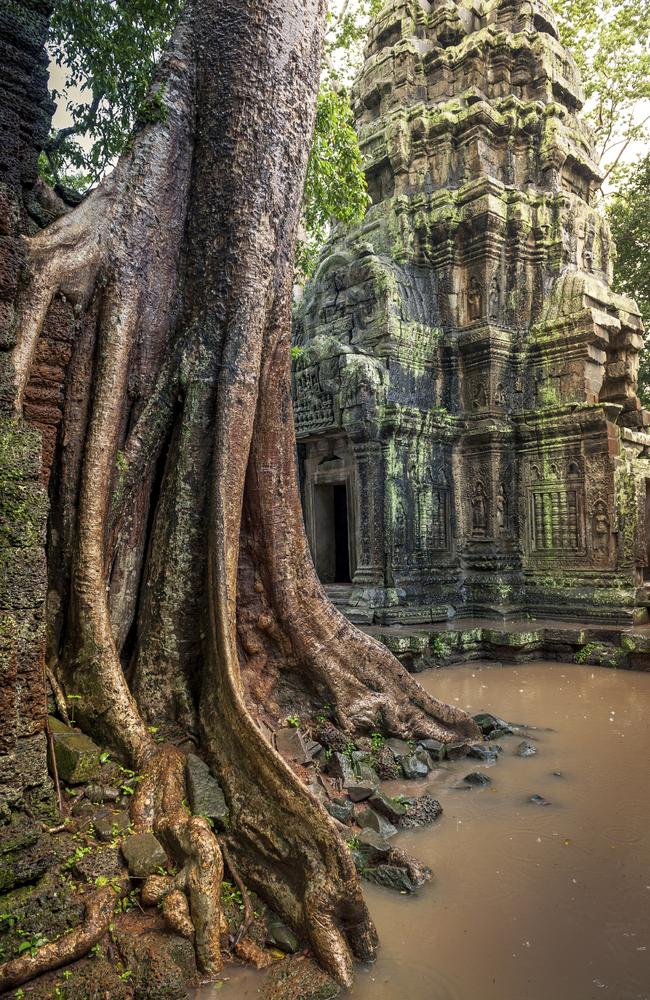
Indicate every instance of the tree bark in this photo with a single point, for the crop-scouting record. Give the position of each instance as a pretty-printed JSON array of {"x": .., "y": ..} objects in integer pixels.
[{"x": 177, "y": 428}]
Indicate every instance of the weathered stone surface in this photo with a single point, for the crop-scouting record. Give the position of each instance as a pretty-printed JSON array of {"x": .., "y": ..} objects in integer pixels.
[
  {"x": 415, "y": 766},
  {"x": 110, "y": 823},
  {"x": 204, "y": 791},
  {"x": 299, "y": 978},
  {"x": 162, "y": 964},
  {"x": 372, "y": 846},
  {"x": 25, "y": 854},
  {"x": 421, "y": 812},
  {"x": 340, "y": 767},
  {"x": 526, "y": 749},
  {"x": 393, "y": 809},
  {"x": 483, "y": 751},
  {"x": 359, "y": 791},
  {"x": 456, "y": 750},
  {"x": 434, "y": 748},
  {"x": 340, "y": 809},
  {"x": 488, "y": 723},
  {"x": 390, "y": 876},
  {"x": 466, "y": 386},
  {"x": 291, "y": 744},
  {"x": 281, "y": 936},
  {"x": 399, "y": 748},
  {"x": 477, "y": 778},
  {"x": 372, "y": 820},
  {"x": 106, "y": 861},
  {"x": 77, "y": 757},
  {"x": 386, "y": 765},
  {"x": 144, "y": 854}
]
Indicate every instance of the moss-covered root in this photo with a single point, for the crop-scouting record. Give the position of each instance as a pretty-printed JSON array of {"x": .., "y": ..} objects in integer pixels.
[{"x": 100, "y": 906}]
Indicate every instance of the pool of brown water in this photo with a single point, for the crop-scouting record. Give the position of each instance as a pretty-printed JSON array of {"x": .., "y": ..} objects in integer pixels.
[{"x": 527, "y": 902}]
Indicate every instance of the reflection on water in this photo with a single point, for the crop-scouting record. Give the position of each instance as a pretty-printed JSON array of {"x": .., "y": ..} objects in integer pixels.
[{"x": 528, "y": 902}]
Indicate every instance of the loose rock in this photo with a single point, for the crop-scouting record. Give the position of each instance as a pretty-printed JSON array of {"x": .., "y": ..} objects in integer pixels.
[
  {"x": 281, "y": 936},
  {"x": 526, "y": 749},
  {"x": 482, "y": 751},
  {"x": 390, "y": 876},
  {"x": 339, "y": 766},
  {"x": 144, "y": 854},
  {"x": 372, "y": 820},
  {"x": 299, "y": 978},
  {"x": 204, "y": 791},
  {"x": 416, "y": 765},
  {"x": 456, "y": 751},
  {"x": 477, "y": 778},
  {"x": 386, "y": 764},
  {"x": 488, "y": 723},
  {"x": 399, "y": 748},
  {"x": 371, "y": 846},
  {"x": 77, "y": 757},
  {"x": 290, "y": 744},
  {"x": 434, "y": 748},
  {"x": 109, "y": 823},
  {"x": 105, "y": 862},
  {"x": 340, "y": 809},
  {"x": 420, "y": 812},
  {"x": 360, "y": 791},
  {"x": 392, "y": 808}
]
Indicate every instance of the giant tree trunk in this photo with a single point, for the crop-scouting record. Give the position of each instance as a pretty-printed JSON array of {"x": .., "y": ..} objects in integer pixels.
[{"x": 180, "y": 559}]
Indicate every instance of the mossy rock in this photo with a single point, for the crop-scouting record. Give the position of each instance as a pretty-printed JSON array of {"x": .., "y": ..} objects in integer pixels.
[
  {"x": 77, "y": 757},
  {"x": 299, "y": 979}
]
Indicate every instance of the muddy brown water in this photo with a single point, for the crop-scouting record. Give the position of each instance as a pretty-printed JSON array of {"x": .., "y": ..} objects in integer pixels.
[{"x": 527, "y": 902}]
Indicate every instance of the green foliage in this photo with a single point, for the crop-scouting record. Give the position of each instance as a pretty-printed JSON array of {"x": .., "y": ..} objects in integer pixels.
[
  {"x": 583, "y": 655},
  {"x": 629, "y": 217},
  {"x": 346, "y": 25},
  {"x": 610, "y": 41},
  {"x": 377, "y": 741},
  {"x": 108, "y": 50},
  {"x": 293, "y": 720},
  {"x": 335, "y": 188},
  {"x": 230, "y": 894}
]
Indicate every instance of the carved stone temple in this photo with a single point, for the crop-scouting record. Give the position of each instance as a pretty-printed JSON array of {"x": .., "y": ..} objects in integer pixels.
[{"x": 470, "y": 437}]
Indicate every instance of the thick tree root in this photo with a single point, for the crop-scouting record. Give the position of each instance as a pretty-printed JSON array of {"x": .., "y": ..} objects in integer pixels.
[
  {"x": 100, "y": 907},
  {"x": 159, "y": 806}
]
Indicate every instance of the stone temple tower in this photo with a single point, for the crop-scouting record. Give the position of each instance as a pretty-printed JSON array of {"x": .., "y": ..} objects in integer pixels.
[{"x": 471, "y": 439}]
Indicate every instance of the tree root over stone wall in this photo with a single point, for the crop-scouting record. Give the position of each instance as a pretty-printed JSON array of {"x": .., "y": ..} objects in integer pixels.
[{"x": 177, "y": 420}]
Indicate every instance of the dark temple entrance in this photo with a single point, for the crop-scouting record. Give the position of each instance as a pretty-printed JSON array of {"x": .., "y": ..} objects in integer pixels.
[{"x": 332, "y": 533}]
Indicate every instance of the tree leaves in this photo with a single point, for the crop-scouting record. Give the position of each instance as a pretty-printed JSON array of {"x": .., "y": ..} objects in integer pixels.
[{"x": 629, "y": 216}]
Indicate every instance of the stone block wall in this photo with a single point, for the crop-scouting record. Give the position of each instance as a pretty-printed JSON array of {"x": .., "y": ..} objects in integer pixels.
[{"x": 25, "y": 116}]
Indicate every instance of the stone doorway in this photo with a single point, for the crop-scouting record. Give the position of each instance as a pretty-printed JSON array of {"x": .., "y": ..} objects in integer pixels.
[{"x": 332, "y": 532}]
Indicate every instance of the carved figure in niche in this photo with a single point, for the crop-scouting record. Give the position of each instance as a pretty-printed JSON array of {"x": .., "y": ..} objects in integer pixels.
[
  {"x": 479, "y": 396},
  {"x": 600, "y": 531},
  {"x": 502, "y": 510},
  {"x": 479, "y": 511},
  {"x": 399, "y": 530},
  {"x": 494, "y": 300},
  {"x": 474, "y": 300},
  {"x": 500, "y": 394}
]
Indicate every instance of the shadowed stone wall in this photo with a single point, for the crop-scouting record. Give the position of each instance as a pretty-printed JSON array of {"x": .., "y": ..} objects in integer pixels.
[
  {"x": 25, "y": 115},
  {"x": 464, "y": 359}
]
